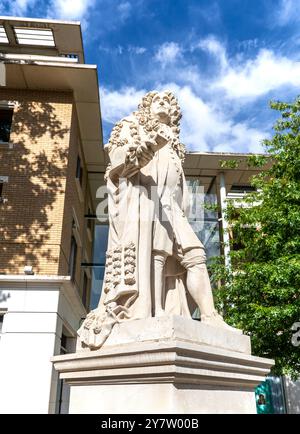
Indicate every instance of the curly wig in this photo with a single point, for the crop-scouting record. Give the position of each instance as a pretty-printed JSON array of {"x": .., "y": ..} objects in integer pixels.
[{"x": 146, "y": 118}]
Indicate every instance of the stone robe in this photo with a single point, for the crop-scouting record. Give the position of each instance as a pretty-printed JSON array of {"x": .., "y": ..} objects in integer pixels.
[
  {"x": 148, "y": 210},
  {"x": 153, "y": 217}
]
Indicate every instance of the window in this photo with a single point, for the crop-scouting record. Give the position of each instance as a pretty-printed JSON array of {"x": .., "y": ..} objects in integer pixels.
[
  {"x": 204, "y": 213},
  {"x": 76, "y": 228},
  {"x": 79, "y": 171},
  {"x": 6, "y": 115},
  {"x": 2, "y": 313},
  {"x": 89, "y": 224},
  {"x": 79, "y": 179},
  {"x": 1, "y": 321},
  {"x": 71, "y": 56},
  {"x": 89, "y": 220},
  {"x": 67, "y": 345},
  {"x": 34, "y": 36},
  {"x": 63, "y": 344},
  {"x": 99, "y": 250},
  {"x": 72, "y": 258},
  {"x": 3, "y": 36},
  {"x": 85, "y": 289},
  {"x": 243, "y": 189},
  {"x": 3, "y": 179},
  {"x": 74, "y": 225}
]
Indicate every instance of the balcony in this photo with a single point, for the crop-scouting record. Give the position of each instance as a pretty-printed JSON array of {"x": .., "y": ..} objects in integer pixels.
[{"x": 39, "y": 40}]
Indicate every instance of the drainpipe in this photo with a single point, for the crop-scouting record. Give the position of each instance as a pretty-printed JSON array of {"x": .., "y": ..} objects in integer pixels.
[{"x": 224, "y": 220}]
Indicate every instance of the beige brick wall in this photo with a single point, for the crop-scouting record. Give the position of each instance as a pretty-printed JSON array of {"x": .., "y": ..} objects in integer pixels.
[
  {"x": 31, "y": 220},
  {"x": 36, "y": 220}
]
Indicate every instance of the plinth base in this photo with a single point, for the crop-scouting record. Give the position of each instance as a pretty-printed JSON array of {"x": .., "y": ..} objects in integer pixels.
[{"x": 165, "y": 365}]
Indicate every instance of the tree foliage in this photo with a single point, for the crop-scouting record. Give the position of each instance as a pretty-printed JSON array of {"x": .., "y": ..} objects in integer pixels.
[{"x": 261, "y": 292}]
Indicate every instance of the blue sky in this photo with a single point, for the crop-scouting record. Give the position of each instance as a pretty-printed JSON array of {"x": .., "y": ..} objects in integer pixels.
[{"x": 224, "y": 60}]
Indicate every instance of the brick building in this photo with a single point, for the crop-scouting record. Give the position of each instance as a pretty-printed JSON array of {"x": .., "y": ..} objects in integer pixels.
[{"x": 50, "y": 132}]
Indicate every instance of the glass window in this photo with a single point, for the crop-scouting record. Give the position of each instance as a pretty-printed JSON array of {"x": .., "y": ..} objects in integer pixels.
[
  {"x": 1, "y": 321},
  {"x": 100, "y": 247},
  {"x": 242, "y": 188},
  {"x": 85, "y": 289},
  {"x": 79, "y": 171},
  {"x": 89, "y": 221},
  {"x": 63, "y": 389},
  {"x": 204, "y": 215},
  {"x": 63, "y": 344},
  {"x": 6, "y": 115},
  {"x": 72, "y": 258},
  {"x": 3, "y": 179},
  {"x": 97, "y": 281}
]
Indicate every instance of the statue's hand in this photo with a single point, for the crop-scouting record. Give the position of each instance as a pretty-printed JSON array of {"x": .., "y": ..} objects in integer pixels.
[
  {"x": 144, "y": 154},
  {"x": 162, "y": 138},
  {"x": 158, "y": 139}
]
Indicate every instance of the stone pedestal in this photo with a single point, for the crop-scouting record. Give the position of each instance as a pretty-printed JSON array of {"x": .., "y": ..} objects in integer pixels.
[{"x": 165, "y": 365}]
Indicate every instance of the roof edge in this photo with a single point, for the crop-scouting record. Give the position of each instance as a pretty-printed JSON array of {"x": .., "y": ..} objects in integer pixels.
[{"x": 39, "y": 20}]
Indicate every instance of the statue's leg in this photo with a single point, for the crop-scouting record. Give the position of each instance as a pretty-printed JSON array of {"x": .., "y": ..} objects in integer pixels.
[
  {"x": 198, "y": 285},
  {"x": 158, "y": 264},
  {"x": 197, "y": 279}
]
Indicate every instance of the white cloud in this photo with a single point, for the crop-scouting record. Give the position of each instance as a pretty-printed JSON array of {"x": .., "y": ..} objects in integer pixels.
[
  {"x": 210, "y": 105},
  {"x": 136, "y": 50},
  {"x": 168, "y": 53},
  {"x": 69, "y": 9},
  {"x": 251, "y": 78},
  {"x": 55, "y": 9},
  {"x": 119, "y": 49},
  {"x": 117, "y": 104},
  {"x": 124, "y": 10},
  {"x": 200, "y": 126},
  {"x": 248, "y": 44},
  {"x": 213, "y": 47},
  {"x": 18, "y": 7},
  {"x": 259, "y": 76},
  {"x": 288, "y": 11},
  {"x": 203, "y": 128},
  {"x": 242, "y": 138}
]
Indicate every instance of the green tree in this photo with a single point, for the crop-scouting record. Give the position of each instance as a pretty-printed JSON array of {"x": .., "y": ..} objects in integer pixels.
[{"x": 261, "y": 292}]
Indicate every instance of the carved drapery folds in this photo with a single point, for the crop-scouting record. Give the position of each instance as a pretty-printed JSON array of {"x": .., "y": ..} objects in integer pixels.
[
  {"x": 130, "y": 264},
  {"x": 120, "y": 279},
  {"x": 120, "y": 270}
]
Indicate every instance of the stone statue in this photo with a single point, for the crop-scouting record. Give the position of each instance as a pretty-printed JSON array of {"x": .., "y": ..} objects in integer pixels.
[{"x": 155, "y": 263}]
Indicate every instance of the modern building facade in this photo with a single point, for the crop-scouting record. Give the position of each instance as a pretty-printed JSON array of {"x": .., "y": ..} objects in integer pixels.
[
  {"x": 53, "y": 231},
  {"x": 50, "y": 133}
]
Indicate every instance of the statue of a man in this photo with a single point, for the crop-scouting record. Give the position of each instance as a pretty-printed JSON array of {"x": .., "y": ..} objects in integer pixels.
[{"x": 156, "y": 265}]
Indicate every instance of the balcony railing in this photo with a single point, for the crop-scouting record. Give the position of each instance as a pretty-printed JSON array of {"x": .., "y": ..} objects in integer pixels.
[{"x": 32, "y": 58}]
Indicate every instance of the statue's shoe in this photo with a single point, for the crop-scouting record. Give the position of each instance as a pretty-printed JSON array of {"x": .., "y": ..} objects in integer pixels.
[{"x": 216, "y": 320}]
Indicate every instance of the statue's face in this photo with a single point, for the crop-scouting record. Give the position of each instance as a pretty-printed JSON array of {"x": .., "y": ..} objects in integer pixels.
[{"x": 160, "y": 106}]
